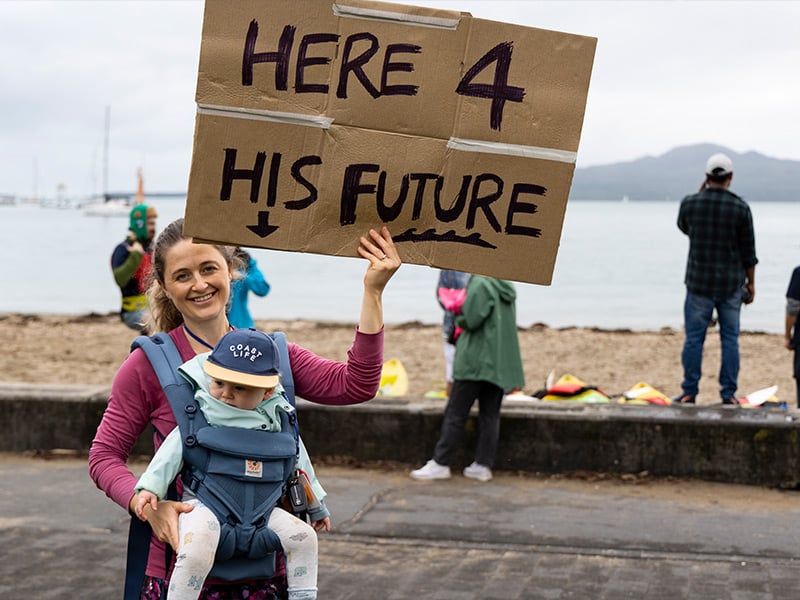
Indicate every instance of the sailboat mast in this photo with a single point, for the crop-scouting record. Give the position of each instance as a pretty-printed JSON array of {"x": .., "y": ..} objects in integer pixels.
[{"x": 105, "y": 153}]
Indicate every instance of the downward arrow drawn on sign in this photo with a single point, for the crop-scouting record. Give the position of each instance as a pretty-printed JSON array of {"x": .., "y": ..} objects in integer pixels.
[{"x": 263, "y": 229}]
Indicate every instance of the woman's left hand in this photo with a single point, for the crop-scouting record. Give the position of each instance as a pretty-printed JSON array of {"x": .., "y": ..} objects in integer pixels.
[
  {"x": 380, "y": 251},
  {"x": 383, "y": 257}
]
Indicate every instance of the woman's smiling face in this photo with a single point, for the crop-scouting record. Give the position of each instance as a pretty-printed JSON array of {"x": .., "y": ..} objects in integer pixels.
[{"x": 197, "y": 279}]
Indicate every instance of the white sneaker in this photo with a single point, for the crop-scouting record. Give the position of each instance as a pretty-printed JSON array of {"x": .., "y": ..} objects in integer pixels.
[
  {"x": 431, "y": 470},
  {"x": 479, "y": 472}
]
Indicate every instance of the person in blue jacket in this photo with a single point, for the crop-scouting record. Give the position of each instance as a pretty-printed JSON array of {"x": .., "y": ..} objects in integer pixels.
[{"x": 251, "y": 280}]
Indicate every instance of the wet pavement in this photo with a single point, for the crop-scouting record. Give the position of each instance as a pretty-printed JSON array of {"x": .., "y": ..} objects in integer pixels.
[{"x": 394, "y": 538}]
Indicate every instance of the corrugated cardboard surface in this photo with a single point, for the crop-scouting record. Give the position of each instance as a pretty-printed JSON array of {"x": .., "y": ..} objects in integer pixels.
[{"x": 480, "y": 211}]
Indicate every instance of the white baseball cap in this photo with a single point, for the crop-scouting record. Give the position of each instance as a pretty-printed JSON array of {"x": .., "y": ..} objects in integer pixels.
[{"x": 719, "y": 164}]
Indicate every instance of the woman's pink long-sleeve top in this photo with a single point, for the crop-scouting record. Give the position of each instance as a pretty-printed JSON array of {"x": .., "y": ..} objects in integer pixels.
[{"x": 137, "y": 400}]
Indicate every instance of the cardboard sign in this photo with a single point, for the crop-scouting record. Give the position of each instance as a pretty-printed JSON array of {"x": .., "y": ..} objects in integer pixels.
[{"x": 318, "y": 121}]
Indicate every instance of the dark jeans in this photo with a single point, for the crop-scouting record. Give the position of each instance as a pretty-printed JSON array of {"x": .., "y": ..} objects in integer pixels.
[
  {"x": 697, "y": 311},
  {"x": 796, "y": 357},
  {"x": 462, "y": 397},
  {"x": 797, "y": 385}
]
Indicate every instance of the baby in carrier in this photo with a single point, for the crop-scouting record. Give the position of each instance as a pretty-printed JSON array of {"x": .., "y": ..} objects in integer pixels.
[{"x": 237, "y": 385}]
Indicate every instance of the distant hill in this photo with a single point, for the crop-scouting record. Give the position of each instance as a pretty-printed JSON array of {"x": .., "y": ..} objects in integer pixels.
[{"x": 679, "y": 172}]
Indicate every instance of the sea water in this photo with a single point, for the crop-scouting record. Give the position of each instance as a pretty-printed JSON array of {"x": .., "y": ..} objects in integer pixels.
[{"x": 619, "y": 265}]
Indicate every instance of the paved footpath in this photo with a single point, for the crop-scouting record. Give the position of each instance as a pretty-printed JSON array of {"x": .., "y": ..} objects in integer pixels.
[{"x": 393, "y": 539}]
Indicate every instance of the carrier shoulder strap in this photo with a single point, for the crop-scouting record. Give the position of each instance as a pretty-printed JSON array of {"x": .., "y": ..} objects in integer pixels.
[
  {"x": 287, "y": 380},
  {"x": 165, "y": 359}
]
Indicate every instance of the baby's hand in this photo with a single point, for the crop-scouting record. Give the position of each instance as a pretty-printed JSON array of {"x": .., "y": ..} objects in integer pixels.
[
  {"x": 322, "y": 524},
  {"x": 144, "y": 498}
]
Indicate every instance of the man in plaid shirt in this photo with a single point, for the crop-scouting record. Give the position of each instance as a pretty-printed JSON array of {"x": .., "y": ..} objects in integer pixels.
[{"x": 720, "y": 274}]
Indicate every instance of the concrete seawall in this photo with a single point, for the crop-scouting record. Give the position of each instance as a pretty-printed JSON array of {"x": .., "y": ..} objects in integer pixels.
[{"x": 724, "y": 444}]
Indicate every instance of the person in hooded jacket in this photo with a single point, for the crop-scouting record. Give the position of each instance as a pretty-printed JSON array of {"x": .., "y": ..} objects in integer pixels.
[
  {"x": 487, "y": 362},
  {"x": 130, "y": 265}
]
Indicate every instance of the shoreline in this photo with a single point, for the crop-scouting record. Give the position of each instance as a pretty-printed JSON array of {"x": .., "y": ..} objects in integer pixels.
[
  {"x": 88, "y": 348},
  {"x": 112, "y": 315}
]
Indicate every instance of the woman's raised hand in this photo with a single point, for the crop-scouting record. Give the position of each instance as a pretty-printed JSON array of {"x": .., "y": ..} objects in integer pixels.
[
  {"x": 384, "y": 260},
  {"x": 383, "y": 257}
]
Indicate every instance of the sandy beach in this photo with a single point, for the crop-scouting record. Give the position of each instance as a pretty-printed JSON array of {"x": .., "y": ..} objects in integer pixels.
[{"x": 87, "y": 349}]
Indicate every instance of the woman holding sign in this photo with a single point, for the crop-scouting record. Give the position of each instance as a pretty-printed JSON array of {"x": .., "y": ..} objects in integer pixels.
[{"x": 188, "y": 293}]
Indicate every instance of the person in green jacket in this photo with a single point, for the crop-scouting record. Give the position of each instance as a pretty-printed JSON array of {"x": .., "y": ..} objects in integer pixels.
[{"x": 487, "y": 362}]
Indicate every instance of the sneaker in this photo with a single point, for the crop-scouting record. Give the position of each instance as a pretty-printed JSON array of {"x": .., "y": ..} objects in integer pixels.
[
  {"x": 734, "y": 401},
  {"x": 479, "y": 472},
  {"x": 683, "y": 399},
  {"x": 431, "y": 470}
]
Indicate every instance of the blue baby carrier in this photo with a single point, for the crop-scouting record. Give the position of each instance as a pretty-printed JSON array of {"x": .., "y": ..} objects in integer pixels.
[{"x": 239, "y": 474}]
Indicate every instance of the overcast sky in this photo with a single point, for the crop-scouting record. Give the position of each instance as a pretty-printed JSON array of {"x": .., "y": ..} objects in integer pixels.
[{"x": 666, "y": 74}]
